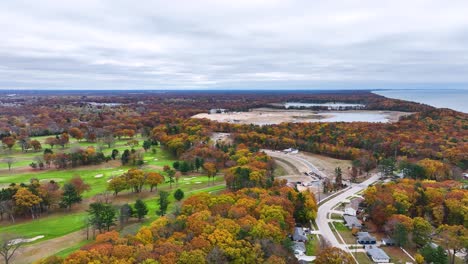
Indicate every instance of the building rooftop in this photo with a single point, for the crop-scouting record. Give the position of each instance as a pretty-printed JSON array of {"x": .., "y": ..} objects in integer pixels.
[
  {"x": 352, "y": 221},
  {"x": 377, "y": 253},
  {"x": 299, "y": 234}
]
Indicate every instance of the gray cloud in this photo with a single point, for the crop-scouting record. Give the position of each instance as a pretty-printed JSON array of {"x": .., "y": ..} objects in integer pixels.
[{"x": 232, "y": 44}]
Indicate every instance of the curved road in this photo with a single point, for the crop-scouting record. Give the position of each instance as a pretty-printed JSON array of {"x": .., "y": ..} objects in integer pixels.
[
  {"x": 322, "y": 219},
  {"x": 323, "y": 210}
]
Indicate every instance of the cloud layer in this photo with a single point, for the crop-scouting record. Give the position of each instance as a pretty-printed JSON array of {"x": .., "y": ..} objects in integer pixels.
[{"x": 179, "y": 44}]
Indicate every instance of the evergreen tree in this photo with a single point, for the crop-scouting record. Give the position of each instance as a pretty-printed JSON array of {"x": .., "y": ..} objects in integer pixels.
[
  {"x": 179, "y": 194},
  {"x": 102, "y": 216},
  {"x": 176, "y": 165},
  {"x": 125, "y": 157},
  {"x": 70, "y": 196},
  {"x": 400, "y": 235},
  {"x": 140, "y": 209},
  {"x": 146, "y": 145},
  {"x": 115, "y": 153},
  {"x": 184, "y": 167},
  {"x": 198, "y": 163},
  {"x": 163, "y": 202},
  {"x": 338, "y": 178}
]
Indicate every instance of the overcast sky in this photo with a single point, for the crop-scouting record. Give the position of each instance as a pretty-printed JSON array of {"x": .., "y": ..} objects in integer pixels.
[{"x": 233, "y": 44}]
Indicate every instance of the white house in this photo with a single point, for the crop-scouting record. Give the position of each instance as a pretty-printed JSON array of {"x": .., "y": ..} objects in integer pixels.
[{"x": 350, "y": 211}]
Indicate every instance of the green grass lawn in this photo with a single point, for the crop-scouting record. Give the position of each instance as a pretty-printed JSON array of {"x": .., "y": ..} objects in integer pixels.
[
  {"x": 312, "y": 246},
  {"x": 52, "y": 226},
  {"x": 23, "y": 159},
  {"x": 336, "y": 216},
  {"x": 96, "y": 177},
  {"x": 345, "y": 233},
  {"x": 61, "y": 223},
  {"x": 362, "y": 258}
]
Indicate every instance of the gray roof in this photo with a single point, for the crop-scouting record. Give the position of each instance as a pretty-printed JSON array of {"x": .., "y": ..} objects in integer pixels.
[
  {"x": 352, "y": 221},
  {"x": 377, "y": 253},
  {"x": 299, "y": 234},
  {"x": 299, "y": 246},
  {"x": 365, "y": 236},
  {"x": 388, "y": 240}
]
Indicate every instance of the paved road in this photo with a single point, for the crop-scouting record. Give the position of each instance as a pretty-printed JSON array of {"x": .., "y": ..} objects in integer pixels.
[{"x": 325, "y": 208}]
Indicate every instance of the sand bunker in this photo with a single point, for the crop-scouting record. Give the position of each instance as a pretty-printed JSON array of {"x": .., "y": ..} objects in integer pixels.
[
  {"x": 99, "y": 176},
  {"x": 189, "y": 179},
  {"x": 24, "y": 240}
]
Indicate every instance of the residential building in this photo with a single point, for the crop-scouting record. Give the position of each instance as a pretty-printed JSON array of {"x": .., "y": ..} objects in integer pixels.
[
  {"x": 352, "y": 221},
  {"x": 299, "y": 235},
  {"x": 378, "y": 255},
  {"x": 365, "y": 238}
]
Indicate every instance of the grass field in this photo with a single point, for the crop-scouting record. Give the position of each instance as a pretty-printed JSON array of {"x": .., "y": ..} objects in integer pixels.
[
  {"x": 312, "y": 246},
  {"x": 23, "y": 159},
  {"x": 60, "y": 222},
  {"x": 345, "y": 233},
  {"x": 362, "y": 258}
]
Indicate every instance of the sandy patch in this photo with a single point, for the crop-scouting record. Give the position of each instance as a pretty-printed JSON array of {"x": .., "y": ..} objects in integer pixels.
[
  {"x": 198, "y": 182},
  {"x": 267, "y": 116},
  {"x": 99, "y": 176},
  {"x": 189, "y": 179},
  {"x": 25, "y": 240}
]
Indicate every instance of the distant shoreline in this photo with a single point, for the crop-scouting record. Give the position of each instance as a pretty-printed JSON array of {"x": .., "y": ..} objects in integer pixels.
[{"x": 454, "y": 99}]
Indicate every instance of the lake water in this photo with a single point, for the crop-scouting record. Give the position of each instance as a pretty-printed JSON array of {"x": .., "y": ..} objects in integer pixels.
[{"x": 453, "y": 99}]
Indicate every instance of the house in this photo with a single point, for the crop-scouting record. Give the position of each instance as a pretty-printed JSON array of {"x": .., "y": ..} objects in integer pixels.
[
  {"x": 378, "y": 255},
  {"x": 356, "y": 202},
  {"x": 299, "y": 248},
  {"x": 388, "y": 242},
  {"x": 217, "y": 111},
  {"x": 290, "y": 151},
  {"x": 299, "y": 235},
  {"x": 352, "y": 221},
  {"x": 350, "y": 211},
  {"x": 365, "y": 238}
]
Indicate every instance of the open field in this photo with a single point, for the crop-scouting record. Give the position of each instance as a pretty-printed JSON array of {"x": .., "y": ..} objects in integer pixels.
[
  {"x": 61, "y": 222},
  {"x": 23, "y": 159},
  {"x": 326, "y": 164},
  {"x": 268, "y": 116},
  {"x": 362, "y": 258}
]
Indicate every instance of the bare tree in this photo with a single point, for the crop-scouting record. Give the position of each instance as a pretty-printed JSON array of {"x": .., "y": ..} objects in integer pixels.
[
  {"x": 9, "y": 244},
  {"x": 9, "y": 161}
]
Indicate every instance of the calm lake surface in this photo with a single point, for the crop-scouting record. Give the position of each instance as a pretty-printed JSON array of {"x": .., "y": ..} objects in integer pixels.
[{"x": 453, "y": 99}]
